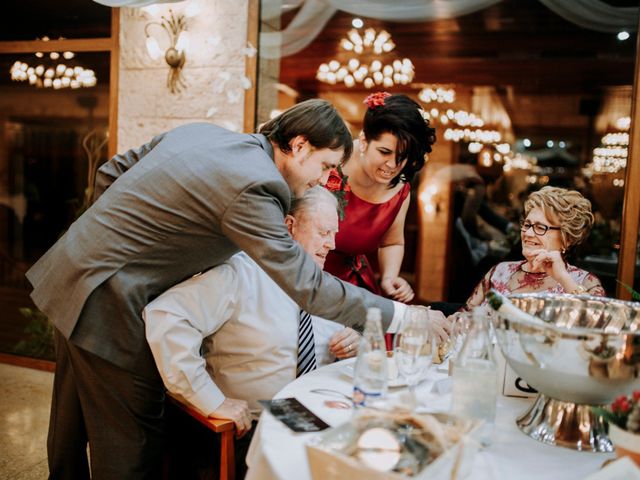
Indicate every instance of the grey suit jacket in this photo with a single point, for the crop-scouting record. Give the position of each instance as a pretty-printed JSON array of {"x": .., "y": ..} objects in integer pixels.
[{"x": 183, "y": 203}]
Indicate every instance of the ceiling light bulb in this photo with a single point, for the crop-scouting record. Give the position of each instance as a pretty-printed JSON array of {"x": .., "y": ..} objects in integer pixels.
[
  {"x": 346, "y": 44},
  {"x": 623, "y": 35}
]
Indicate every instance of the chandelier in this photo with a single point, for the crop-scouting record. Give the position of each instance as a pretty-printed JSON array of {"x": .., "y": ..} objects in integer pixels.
[
  {"x": 52, "y": 72},
  {"x": 463, "y": 126},
  {"x": 370, "y": 70},
  {"x": 611, "y": 155}
]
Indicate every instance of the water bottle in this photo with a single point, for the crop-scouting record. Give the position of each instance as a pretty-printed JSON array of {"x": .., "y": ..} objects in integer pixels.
[
  {"x": 475, "y": 376},
  {"x": 370, "y": 375}
]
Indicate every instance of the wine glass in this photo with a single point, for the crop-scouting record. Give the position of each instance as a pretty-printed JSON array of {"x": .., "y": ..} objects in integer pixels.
[
  {"x": 461, "y": 324},
  {"x": 413, "y": 347}
]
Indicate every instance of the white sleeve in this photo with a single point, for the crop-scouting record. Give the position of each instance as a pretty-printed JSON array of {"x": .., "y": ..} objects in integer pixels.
[
  {"x": 323, "y": 330},
  {"x": 399, "y": 310},
  {"x": 177, "y": 322}
]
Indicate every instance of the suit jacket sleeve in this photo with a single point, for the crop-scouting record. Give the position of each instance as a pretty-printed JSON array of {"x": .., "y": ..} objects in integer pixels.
[
  {"x": 177, "y": 322},
  {"x": 254, "y": 221},
  {"x": 111, "y": 170}
]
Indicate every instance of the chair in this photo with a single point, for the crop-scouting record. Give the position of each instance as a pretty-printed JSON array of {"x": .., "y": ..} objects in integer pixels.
[{"x": 226, "y": 429}]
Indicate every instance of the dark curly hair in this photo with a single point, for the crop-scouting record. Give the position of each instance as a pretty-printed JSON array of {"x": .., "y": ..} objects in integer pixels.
[{"x": 401, "y": 116}]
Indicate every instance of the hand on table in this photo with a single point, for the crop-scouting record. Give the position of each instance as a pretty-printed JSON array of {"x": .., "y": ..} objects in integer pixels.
[
  {"x": 344, "y": 344},
  {"x": 397, "y": 288},
  {"x": 237, "y": 411}
]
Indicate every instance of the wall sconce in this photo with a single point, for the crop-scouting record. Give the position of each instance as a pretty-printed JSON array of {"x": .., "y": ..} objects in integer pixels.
[{"x": 175, "y": 25}]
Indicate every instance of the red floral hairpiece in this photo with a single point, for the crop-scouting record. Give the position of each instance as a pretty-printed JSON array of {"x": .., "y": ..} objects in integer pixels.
[
  {"x": 376, "y": 99},
  {"x": 337, "y": 184}
]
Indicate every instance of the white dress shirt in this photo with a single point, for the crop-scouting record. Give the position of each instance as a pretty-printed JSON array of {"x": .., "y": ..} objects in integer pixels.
[{"x": 229, "y": 332}]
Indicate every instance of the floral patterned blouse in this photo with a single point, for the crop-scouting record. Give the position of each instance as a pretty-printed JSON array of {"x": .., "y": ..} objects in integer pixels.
[{"x": 509, "y": 277}]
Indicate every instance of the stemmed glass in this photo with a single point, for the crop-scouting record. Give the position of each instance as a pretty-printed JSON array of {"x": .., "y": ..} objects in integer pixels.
[
  {"x": 413, "y": 347},
  {"x": 461, "y": 324}
]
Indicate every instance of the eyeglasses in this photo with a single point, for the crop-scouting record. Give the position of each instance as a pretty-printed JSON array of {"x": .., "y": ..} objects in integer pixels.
[{"x": 538, "y": 228}]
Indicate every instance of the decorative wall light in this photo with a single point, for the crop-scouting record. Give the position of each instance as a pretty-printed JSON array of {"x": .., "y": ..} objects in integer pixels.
[
  {"x": 51, "y": 71},
  {"x": 371, "y": 67},
  {"x": 175, "y": 26}
]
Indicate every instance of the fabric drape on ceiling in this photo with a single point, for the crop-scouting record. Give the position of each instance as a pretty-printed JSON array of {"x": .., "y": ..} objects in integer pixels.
[
  {"x": 313, "y": 15},
  {"x": 132, "y": 3},
  {"x": 595, "y": 14}
]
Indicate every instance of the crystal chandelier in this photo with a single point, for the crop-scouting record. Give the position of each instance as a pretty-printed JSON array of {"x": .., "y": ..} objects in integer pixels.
[
  {"x": 372, "y": 68},
  {"x": 52, "y": 72},
  {"x": 611, "y": 156},
  {"x": 461, "y": 125}
]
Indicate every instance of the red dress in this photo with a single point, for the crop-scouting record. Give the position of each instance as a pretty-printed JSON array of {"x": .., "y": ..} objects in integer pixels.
[{"x": 360, "y": 235}]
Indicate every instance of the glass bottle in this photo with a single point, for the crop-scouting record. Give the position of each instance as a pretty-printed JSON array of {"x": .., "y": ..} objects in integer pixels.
[
  {"x": 475, "y": 376},
  {"x": 370, "y": 376}
]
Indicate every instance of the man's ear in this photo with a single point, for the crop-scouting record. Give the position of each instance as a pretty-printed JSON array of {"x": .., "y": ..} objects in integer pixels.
[
  {"x": 297, "y": 143},
  {"x": 290, "y": 222}
]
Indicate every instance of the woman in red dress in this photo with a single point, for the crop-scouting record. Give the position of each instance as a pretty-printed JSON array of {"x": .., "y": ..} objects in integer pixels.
[{"x": 374, "y": 191}]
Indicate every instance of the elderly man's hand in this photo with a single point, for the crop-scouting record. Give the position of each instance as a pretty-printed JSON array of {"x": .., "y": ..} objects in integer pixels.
[
  {"x": 344, "y": 344},
  {"x": 236, "y": 411},
  {"x": 439, "y": 326}
]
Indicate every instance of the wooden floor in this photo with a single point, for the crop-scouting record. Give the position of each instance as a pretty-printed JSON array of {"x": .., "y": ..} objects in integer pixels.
[{"x": 25, "y": 400}]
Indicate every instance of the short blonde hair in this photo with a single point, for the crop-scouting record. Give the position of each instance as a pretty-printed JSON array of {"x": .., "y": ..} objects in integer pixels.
[{"x": 568, "y": 207}]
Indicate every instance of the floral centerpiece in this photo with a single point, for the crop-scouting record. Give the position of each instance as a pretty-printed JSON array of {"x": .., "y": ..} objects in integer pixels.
[{"x": 624, "y": 425}]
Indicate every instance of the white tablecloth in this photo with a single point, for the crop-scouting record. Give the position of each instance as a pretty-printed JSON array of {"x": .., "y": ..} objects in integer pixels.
[{"x": 278, "y": 453}]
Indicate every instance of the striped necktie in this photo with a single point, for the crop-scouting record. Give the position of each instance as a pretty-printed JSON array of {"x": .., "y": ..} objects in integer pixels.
[{"x": 306, "y": 345}]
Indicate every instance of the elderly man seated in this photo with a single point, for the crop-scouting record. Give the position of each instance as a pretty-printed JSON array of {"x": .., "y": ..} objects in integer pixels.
[{"x": 230, "y": 336}]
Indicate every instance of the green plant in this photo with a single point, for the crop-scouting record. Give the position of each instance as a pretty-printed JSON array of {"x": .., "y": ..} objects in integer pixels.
[
  {"x": 39, "y": 336},
  {"x": 623, "y": 412},
  {"x": 634, "y": 295}
]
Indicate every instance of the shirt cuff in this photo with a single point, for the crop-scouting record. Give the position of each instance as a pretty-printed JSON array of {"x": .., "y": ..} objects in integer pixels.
[
  {"x": 207, "y": 399},
  {"x": 399, "y": 310}
]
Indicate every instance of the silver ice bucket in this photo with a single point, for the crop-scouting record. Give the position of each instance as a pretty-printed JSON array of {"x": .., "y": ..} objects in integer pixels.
[{"x": 584, "y": 351}]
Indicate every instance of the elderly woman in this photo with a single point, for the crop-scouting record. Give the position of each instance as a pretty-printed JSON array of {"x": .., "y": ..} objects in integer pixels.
[{"x": 556, "y": 220}]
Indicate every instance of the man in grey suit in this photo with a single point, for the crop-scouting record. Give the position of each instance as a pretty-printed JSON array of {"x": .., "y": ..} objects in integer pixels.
[{"x": 176, "y": 206}]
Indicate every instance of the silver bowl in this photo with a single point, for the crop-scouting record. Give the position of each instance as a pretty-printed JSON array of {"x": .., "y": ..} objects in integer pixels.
[{"x": 584, "y": 351}]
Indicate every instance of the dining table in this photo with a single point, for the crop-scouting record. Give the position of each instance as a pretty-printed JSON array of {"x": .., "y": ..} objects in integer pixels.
[{"x": 278, "y": 453}]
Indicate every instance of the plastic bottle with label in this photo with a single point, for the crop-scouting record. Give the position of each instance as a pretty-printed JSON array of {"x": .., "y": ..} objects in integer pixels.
[{"x": 370, "y": 375}]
